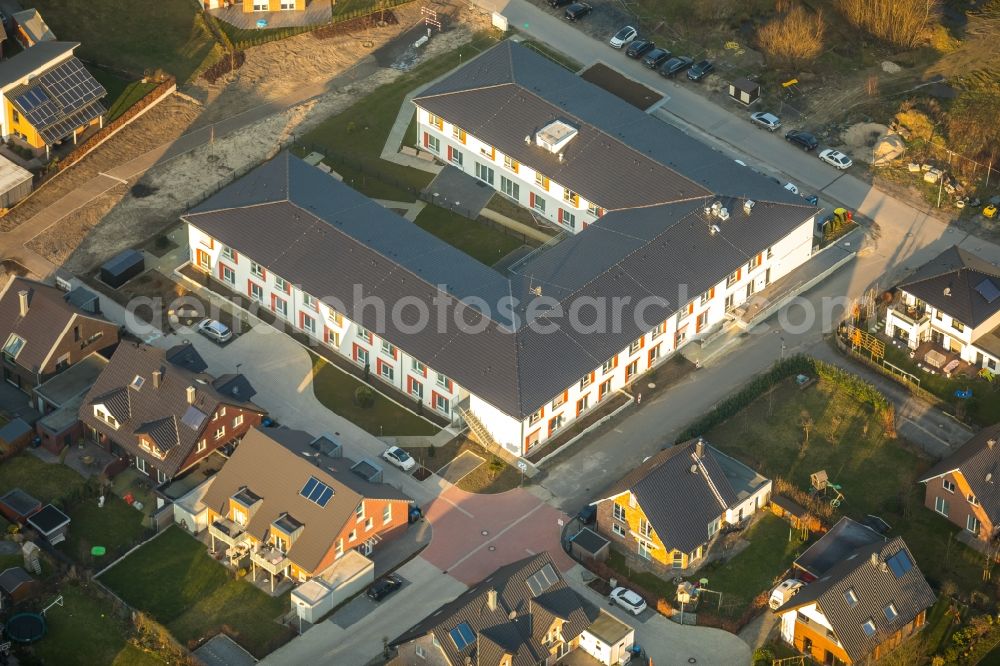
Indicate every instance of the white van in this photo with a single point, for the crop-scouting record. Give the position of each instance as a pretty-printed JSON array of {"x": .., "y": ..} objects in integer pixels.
[{"x": 781, "y": 594}]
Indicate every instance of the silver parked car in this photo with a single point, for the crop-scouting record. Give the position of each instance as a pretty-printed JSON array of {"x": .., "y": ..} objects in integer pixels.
[
  {"x": 215, "y": 330},
  {"x": 768, "y": 121}
]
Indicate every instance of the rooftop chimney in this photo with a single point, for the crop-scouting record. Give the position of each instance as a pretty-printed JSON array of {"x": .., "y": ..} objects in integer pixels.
[
  {"x": 991, "y": 442},
  {"x": 23, "y": 299},
  {"x": 157, "y": 377},
  {"x": 491, "y": 599},
  {"x": 190, "y": 395},
  {"x": 699, "y": 448}
]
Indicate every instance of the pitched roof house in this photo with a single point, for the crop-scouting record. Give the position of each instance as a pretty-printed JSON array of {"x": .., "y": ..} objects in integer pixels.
[
  {"x": 42, "y": 333},
  {"x": 668, "y": 509},
  {"x": 953, "y": 300},
  {"x": 48, "y": 95},
  {"x": 30, "y": 28},
  {"x": 522, "y": 614},
  {"x": 296, "y": 517},
  {"x": 963, "y": 486},
  {"x": 862, "y": 607},
  {"x": 162, "y": 411}
]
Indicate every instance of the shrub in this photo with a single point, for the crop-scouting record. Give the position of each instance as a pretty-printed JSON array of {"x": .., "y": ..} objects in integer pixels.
[
  {"x": 905, "y": 23},
  {"x": 793, "y": 36},
  {"x": 364, "y": 396}
]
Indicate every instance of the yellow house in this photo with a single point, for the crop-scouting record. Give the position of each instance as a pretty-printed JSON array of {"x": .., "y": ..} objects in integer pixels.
[
  {"x": 667, "y": 512},
  {"x": 258, "y": 5},
  {"x": 48, "y": 96}
]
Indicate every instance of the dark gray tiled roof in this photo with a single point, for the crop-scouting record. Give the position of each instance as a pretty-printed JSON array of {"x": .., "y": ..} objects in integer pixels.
[
  {"x": 160, "y": 413},
  {"x": 978, "y": 461},
  {"x": 843, "y": 538},
  {"x": 679, "y": 503},
  {"x": 297, "y": 222},
  {"x": 268, "y": 463},
  {"x": 875, "y": 587},
  {"x": 960, "y": 273},
  {"x": 43, "y": 326},
  {"x": 621, "y": 156},
  {"x": 495, "y": 631}
]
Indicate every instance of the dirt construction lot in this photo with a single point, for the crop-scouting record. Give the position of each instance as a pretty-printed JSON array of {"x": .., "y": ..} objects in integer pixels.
[{"x": 619, "y": 85}]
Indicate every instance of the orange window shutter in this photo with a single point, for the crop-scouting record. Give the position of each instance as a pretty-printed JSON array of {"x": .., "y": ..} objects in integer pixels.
[
  {"x": 760, "y": 257},
  {"x": 592, "y": 373},
  {"x": 711, "y": 293},
  {"x": 493, "y": 152},
  {"x": 642, "y": 342},
  {"x": 738, "y": 273},
  {"x": 565, "y": 395},
  {"x": 615, "y": 365},
  {"x": 691, "y": 307}
]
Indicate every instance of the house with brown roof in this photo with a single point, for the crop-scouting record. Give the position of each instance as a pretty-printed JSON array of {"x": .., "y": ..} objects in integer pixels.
[
  {"x": 666, "y": 513},
  {"x": 294, "y": 513},
  {"x": 863, "y": 604},
  {"x": 523, "y": 614},
  {"x": 43, "y": 332},
  {"x": 962, "y": 487},
  {"x": 162, "y": 411}
]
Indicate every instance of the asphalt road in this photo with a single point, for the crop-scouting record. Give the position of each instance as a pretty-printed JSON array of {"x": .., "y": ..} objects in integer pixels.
[{"x": 898, "y": 238}]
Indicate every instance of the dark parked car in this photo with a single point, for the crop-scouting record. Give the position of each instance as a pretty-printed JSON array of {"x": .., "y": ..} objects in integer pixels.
[
  {"x": 700, "y": 70},
  {"x": 675, "y": 66},
  {"x": 384, "y": 586},
  {"x": 655, "y": 58},
  {"x": 639, "y": 48},
  {"x": 577, "y": 11},
  {"x": 587, "y": 515},
  {"x": 804, "y": 140}
]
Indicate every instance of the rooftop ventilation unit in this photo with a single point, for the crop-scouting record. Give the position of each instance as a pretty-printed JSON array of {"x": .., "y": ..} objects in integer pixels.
[
  {"x": 716, "y": 207},
  {"x": 748, "y": 206},
  {"x": 554, "y": 136},
  {"x": 723, "y": 214},
  {"x": 714, "y": 229}
]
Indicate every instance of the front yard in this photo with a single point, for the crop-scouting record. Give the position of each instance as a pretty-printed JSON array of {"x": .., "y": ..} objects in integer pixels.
[
  {"x": 336, "y": 390},
  {"x": 173, "y": 579}
]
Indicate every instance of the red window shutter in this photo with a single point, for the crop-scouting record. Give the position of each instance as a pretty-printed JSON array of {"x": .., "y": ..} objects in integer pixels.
[
  {"x": 711, "y": 293},
  {"x": 615, "y": 365},
  {"x": 531, "y": 199},
  {"x": 378, "y": 366},
  {"x": 559, "y": 215},
  {"x": 434, "y": 399},
  {"x": 449, "y": 153},
  {"x": 395, "y": 353},
  {"x": 427, "y": 139},
  {"x": 409, "y": 384},
  {"x": 354, "y": 352},
  {"x": 425, "y": 372},
  {"x": 250, "y": 288},
  {"x": 221, "y": 276},
  {"x": 236, "y": 257},
  {"x": 274, "y": 302},
  {"x": 302, "y": 320},
  {"x": 450, "y": 386}
]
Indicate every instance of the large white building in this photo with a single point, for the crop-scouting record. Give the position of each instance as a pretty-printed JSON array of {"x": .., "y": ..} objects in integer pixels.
[
  {"x": 953, "y": 301},
  {"x": 669, "y": 259}
]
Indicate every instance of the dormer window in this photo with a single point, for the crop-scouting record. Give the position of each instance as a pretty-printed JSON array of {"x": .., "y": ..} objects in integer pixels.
[
  {"x": 13, "y": 346},
  {"x": 103, "y": 415}
]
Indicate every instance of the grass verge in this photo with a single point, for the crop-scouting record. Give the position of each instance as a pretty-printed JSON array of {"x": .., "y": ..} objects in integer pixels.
[
  {"x": 474, "y": 238},
  {"x": 174, "y": 580}
]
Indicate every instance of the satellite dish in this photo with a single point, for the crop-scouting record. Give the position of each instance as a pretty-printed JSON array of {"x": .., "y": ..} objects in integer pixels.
[{"x": 694, "y": 469}]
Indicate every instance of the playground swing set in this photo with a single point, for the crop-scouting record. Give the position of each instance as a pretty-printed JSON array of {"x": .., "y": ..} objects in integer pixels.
[{"x": 821, "y": 483}]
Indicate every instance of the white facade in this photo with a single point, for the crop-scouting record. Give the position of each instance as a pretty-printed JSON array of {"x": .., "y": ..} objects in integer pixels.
[
  {"x": 604, "y": 653},
  {"x": 749, "y": 506},
  {"x": 913, "y": 321},
  {"x": 812, "y": 615}
]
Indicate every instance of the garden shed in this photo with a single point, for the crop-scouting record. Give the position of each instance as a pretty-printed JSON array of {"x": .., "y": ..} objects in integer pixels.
[
  {"x": 589, "y": 546},
  {"x": 16, "y": 585},
  {"x": 346, "y": 577},
  {"x": 17, "y": 505},
  {"x": 50, "y": 523},
  {"x": 368, "y": 470},
  {"x": 14, "y": 436},
  {"x": 744, "y": 91},
  {"x": 122, "y": 268},
  {"x": 15, "y": 183}
]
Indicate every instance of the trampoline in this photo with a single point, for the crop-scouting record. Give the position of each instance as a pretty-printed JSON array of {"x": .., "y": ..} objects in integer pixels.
[{"x": 26, "y": 628}]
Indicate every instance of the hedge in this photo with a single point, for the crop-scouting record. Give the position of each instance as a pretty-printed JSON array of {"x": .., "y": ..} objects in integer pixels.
[{"x": 799, "y": 364}]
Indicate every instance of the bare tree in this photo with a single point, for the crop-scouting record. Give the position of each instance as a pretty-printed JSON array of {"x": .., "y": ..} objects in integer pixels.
[
  {"x": 795, "y": 35},
  {"x": 905, "y": 23}
]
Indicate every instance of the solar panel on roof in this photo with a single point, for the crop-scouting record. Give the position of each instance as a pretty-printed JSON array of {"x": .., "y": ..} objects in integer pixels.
[
  {"x": 193, "y": 417},
  {"x": 542, "y": 580},
  {"x": 462, "y": 635},
  {"x": 316, "y": 491},
  {"x": 988, "y": 290}
]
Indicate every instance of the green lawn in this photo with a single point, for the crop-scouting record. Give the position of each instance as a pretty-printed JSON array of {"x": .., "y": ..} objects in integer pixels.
[
  {"x": 174, "y": 580},
  {"x": 878, "y": 474},
  {"x": 85, "y": 630},
  {"x": 335, "y": 389},
  {"x": 116, "y": 526},
  {"x": 43, "y": 481},
  {"x": 553, "y": 55},
  {"x": 169, "y": 34},
  {"x": 132, "y": 93},
  {"x": 473, "y": 238},
  {"x": 771, "y": 551}
]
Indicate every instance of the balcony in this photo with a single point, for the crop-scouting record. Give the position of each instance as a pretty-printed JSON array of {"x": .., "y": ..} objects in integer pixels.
[
  {"x": 271, "y": 560},
  {"x": 911, "y": 314},
  {"x": 227, "y": 531}
]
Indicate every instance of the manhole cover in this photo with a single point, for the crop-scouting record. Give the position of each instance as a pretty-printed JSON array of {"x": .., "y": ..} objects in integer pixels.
[
  {"x": 492, "y": 548},
  {"x": 651, "y": 385},
  {"x": 485, "y": 532}
]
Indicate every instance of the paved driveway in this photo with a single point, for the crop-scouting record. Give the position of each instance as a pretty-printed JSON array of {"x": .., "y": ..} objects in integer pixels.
[{"x": 476, "y": 534}]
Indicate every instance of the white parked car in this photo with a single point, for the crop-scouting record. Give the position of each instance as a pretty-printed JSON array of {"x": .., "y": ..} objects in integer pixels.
[
  {"x": 792, "y": 187},
  {"x": 768, "y": 121},
  {"x": 628, "y": 600},
  {"x": 400, "y": 458},
  {"x": 781, "y": 594},
  {"x": 623, "y": 37},
  {"x": 215, "y": 330},
  {"x": 836, "y": 158}
]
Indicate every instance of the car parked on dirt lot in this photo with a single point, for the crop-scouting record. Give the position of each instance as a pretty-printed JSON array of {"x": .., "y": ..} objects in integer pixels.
[
  {"x": 836, "y": 158},
  {"x": 577, "y": 11},
  {"x": 628, "y": 600},
  {"x": 399, "y": 458},
  {"x": 384, "y": 586},
  {"x": 656, "y": 57},
  {"x": 804, "y": 140},
  {"x": 639, "y": 48},
  {"x": 215, "y": 330},
  {"x": 623, "y": 37},
  {"x": 700, "y": 70},
  {"x": 769, "y": 121},
  {"x": 675, "y": 65}
]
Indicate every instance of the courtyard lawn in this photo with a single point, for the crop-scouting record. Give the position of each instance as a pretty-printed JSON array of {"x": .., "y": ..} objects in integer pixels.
[
  {"x": 475, "y": 239},
  {"x": 169, "y": 34},
  {"x": 174, "y": 580},
  {"x": 878, "y": 474},
  {"x": 86, "y": 630},
  {"x": 43, "y": 481},
  {"x": 335, "y": 389},
  {"x": 116, "y": 526}
]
